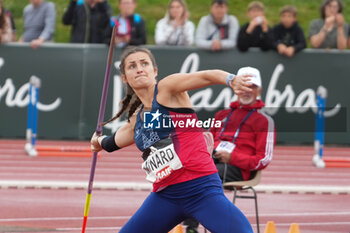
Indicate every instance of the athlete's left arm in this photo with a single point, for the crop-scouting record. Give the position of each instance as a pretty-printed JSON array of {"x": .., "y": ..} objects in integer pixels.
[{"x": 177, "y": 83}]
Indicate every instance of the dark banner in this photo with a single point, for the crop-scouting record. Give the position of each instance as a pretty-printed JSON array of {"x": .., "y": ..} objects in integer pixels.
[{"x": 72, "y": 78}]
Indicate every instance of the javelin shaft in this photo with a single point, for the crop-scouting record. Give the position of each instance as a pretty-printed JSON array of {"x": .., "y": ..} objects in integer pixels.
[{"x": 99, "y": 127}]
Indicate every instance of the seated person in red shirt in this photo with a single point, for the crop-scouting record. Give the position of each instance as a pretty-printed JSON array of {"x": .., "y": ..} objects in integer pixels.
[{"x": 246, "y": 139}]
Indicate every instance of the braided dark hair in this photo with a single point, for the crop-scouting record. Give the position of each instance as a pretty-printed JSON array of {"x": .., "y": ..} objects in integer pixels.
[{"x": 130, "y": 94}]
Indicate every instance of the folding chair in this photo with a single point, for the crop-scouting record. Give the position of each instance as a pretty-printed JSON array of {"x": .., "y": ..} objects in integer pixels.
[{"x": 245, "y": 185}]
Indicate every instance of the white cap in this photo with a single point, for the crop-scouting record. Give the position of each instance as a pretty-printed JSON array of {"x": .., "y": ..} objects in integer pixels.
[{"x": 255, "y": 78}]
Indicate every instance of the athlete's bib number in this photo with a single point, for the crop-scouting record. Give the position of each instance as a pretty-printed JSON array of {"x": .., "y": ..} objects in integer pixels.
[
  {"x": 161, "y": 162},
  {"x": 226, "y": 146}
]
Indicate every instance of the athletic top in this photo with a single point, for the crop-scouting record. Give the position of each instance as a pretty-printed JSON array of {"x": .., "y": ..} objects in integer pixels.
[{"x": 176, "y": 125}]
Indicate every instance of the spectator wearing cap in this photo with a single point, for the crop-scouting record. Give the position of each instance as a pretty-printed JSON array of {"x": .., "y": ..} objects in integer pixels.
[
  {"x": 131, "y": 27},
  {"x": 245, "y": 141},
  {"x": 218, "y": 30},
  {"x": 89, "y": 20},
  {"x": 330, "y": 31},
  {"x": 255, "y": 33},
  {"x": 288, "y": 35},
  {"x": 39, "y": 22}
]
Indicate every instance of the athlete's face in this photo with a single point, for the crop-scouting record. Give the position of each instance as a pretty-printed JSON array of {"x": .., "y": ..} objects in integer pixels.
[
  {"x": 248, "y": 98},
  {"x": 139, "y": 70}
]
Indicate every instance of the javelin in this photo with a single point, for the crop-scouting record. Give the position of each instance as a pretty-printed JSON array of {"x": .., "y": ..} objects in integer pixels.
[{"x": 99, "y": 127}]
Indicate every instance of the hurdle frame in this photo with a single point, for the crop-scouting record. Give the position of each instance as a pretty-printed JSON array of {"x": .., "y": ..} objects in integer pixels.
[
  {"x": 32, "y": 115},
  {"x": 320, "y": 128}
]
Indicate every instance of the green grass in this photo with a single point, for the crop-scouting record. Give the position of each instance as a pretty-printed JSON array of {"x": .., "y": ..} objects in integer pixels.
[{"x": 153, "y": 10}]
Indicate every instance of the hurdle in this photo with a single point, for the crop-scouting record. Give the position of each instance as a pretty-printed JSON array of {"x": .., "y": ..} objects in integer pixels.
[
  {"x": 318, "y": 159},
  {"x": 32, "y": 117},
  {"x": 31, "y": 131}
]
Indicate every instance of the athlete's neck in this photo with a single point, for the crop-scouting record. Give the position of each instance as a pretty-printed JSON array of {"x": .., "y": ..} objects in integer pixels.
[{"x": 146, "y": 95}]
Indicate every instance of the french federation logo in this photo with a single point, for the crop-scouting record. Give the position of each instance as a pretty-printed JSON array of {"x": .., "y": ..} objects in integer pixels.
[{"x": 152, "y": 119}]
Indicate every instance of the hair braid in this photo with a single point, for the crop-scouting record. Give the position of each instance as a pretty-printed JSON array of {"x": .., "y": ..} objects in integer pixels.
[
  {"x": 125, "y": 104},
  {"x": 133, "y": 107}
]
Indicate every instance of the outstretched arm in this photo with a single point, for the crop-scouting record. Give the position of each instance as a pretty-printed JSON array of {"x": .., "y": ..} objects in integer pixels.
[{"x": 178, "y": 83}]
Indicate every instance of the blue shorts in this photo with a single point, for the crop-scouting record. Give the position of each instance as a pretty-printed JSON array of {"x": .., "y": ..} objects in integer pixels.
[{"x": 202, "y": 199}]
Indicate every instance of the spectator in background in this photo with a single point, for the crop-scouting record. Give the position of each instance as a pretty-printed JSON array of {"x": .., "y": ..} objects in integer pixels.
[
  {"x": 10, "y": 16},
  {"x": 349, "y": 39},
  {"x": 131, "y": 28},
  {"x": 257, "y": 32},
  {"x": 330, "y": 31},
  {"x": 39, "y": 22},
  {"x": 218, "y": 30},
  {"x": 6, "y": 34},
  {"x": 175, "y": 28},
  {"x": 288, "y": 36},
  {"x": 89, "y": 20}
]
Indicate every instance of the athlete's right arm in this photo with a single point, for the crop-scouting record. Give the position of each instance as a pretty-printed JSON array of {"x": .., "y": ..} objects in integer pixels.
[{"x": 122, "y": 138}]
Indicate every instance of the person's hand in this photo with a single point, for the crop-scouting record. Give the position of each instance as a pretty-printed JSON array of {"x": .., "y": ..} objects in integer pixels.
[
  {"x": 127, "y": 39},
  {"x": 223, "y": 156},
  {"x": 264, "y": 24},
  {"x": 177, "y": 22},
  {"x": 95, "y": 144},
  {"x": 339, "y": 18},
  {"x": 119, "y": 39},
  {"x": 180, "y": 21},
  {"x": 241, "y": 84},
  {"x": 36, "y": 43},
  {"x": 329, "y": 23},
  {"x": 216, "y": 45},
  {"x": 281, "y": 48},
  {"x": 289, "y": 52},
  {"x": 253, "y": 23}
]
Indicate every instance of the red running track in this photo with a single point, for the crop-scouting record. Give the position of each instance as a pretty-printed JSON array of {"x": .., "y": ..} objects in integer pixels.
[{"x": 291, "y": 190}]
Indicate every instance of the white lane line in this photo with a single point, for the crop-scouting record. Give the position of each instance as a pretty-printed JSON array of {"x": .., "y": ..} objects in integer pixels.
[
  {"x": 61, "y": 219},
  {"x": 303, "y": 189},
  {"x": 88, "y": 228},
  {"x": 303, "y": 214},
  {"x": 276, "y": 224},
  {"x": 147, "y": 186},
  {"x": 74, "y": 184},
  {"x": 313, "y": 223}
]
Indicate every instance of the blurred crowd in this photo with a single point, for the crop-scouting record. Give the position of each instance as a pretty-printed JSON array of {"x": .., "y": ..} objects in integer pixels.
[{"x": 92, "y": 21}]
